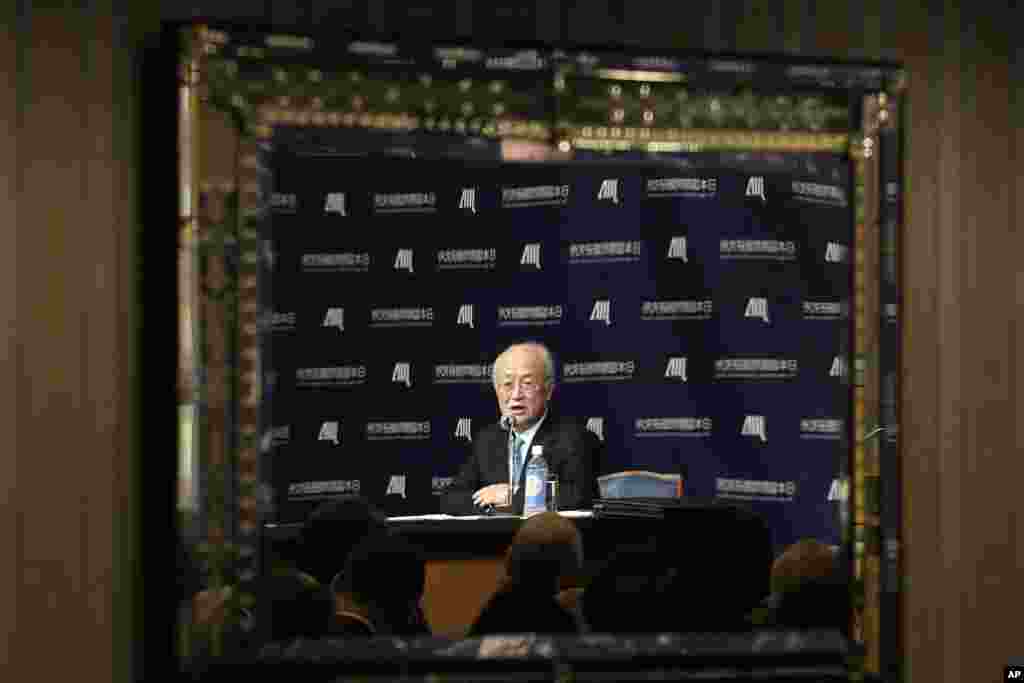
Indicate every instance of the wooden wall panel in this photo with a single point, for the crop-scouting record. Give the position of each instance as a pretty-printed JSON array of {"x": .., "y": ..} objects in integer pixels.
[{"x": 10, "y": 47}]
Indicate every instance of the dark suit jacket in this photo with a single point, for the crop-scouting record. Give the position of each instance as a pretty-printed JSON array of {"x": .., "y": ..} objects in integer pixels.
[{"x": 568, "y": 448}]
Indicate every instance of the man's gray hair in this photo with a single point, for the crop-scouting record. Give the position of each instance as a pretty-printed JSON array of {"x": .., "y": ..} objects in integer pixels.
[{"x": 545, "y": 354}]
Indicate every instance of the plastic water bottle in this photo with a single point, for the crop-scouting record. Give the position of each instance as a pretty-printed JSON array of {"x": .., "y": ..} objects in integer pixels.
[{"x": 535, "y": 498}]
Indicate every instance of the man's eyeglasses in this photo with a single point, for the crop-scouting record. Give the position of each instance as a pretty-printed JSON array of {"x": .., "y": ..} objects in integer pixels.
[{"x": 526, "y": 387}]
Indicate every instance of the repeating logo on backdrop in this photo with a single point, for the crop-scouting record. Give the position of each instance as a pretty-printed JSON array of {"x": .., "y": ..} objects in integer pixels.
[
  {"x": 514, "y": 316},
  {"x": 467, "y": 200},
  {"x": 278, "y": 321},
  {"x": 675, "y": 368},
  {"x": 536, "y": 195},
  {"x": 396, "y": 486},
  {"x": 614, "y": 251},
  {"x": 402, "y": 316},
  {"x": 755, "y": 188},
  {"x": 839, "y": 367},
  {"x": 464, "y": 428},
  {"x": 276, "y": 437},
  {"x": 699, "y": 309},
  {"x": 673, "y": 426},
  {"x": 754, "y": 489},
  {"x": 284, "y": 202},
  {"x": 403, "y": 260},
  {"x": 438, "y": 485},
  {"x": 825, "y": 310},
  {"x": 405, "y": 202},
  {"x": 609, "y": 191},
  {"x": 402, "y": 374},
  {"x": 757, "y": 308},
  {"x": 838, "y": 490},
  {"x": 401, "y": 430},
  {"x": 531, "y": 255},
  {"x": 327, "y": 377},
  {"x": 756, "y": 368},
  {"x": 595, "y": 425},
  {"x": 334, "y": 203},
  {"x": 756, "y": 250},
  {"x": 827, "y": 428},
  {"x": 332, "y": 487},
  {"x": 818, "y": 193},
  {"x": 601, "y": 312},
  {"x": 467, "y": 259},
  {"x": 755, "y": 426},
  {"x": 598, "y": 371},
  {"x": 463, "y": 373},
  {"x": 330, "y": 431},
  {"x": 466, "y": 316},
  {"x": 837, "y": 253},
  {"x": 336, "y": 262},
  {"x": 335, "y": 317},
  {"x": 677, "y": 249},
  {"x": 694, "y": 188}
]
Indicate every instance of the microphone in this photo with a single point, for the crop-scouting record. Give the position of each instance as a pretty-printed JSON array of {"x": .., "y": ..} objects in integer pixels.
[{"x": 506, "y": 422}]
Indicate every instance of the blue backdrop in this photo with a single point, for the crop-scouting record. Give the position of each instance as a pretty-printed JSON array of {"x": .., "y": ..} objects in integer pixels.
[{"x": 698, "y": 309}]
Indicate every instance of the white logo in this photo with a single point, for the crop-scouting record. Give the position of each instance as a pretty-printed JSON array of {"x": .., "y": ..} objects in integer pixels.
[
  {"x": 469, "y": 373},
  {"x": 335, "y": 318},
  {"x": 531, "y": 255},
  {"x": 817, "y": 193},
  {"x": 529, "y": 315},
  {"x": 335, "y": 203},
  {"x": 673, "y": 426},
  {"x": 464, "y": 428},
  {"x": 408, "y": 429},
  {"x": 541, "y": 195},
  {"x": 757, "y": 307},
  {"x": 329, "y": 432},
  {"x": 465, "y": 315},
  {"x": 754, "y": 425},
  {"x": 677, "y": 249},
  {"x": 1016, "y": 675},
  {"x": 595, "y": 425},
  {"x": 405, "y": 202},
  {"x": 821, "y": 428},
  {"x": 838, "y": 490},
  {"x": 755, "y": 187},
  {"x": 277, "y": 321},
  {"x": 402, "y": 374},
  {"x": 403, "y": 260},
  {"x": 285, "y": 203},
  {"x": 752, "y": 489},
  {"x": 346, "y": 262},
  {"x": 602, "y": 311},
  {"x": 321, "y": 488},
  {"x": 682, "y": 187},
  {"x": 676, "y": 368},
  {"x": 769, "y": 250},
  {"x": 836, "y": 253},
  {"x": 605, "y": 252},
  {"x": 756, "y": 368},
  {"x": 824, "y": 310},
  {"x": 406, "y": 316},
  {"x": 838, "y": 368},
  {"x": 609, "y": 191},
  {"x": 462, "y": 259},
  {"x": 396, "y": 485},
  {"x": 439, "y": 484},
  {"x": 598, "y": 371},
  {"x": 467, "y": 200},
  {"x": 345, "y": 375},
  {"x": 676, "y": 310}
]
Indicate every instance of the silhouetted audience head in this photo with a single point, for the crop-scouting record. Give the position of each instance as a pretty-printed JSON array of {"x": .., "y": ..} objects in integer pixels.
[
  {"x": 808, "y": 588},
  {"x": 332, "y": 531},
  {"x": 297, "y": 608},
  {"x": 630, "y": 593},
  {"x": 546, "y": 553},
  {"x": 384, "y": 578}
]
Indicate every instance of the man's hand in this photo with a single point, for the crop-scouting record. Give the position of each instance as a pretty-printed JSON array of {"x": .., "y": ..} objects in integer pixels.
[{"x": 495, "y": 494}]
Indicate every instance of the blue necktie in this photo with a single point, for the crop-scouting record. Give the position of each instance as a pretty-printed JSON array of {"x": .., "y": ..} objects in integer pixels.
[{"x": 517, "y": 460}]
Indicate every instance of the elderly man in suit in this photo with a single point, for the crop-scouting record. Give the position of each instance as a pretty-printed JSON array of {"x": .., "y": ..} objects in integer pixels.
[{"x": 494, "y": 475}]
